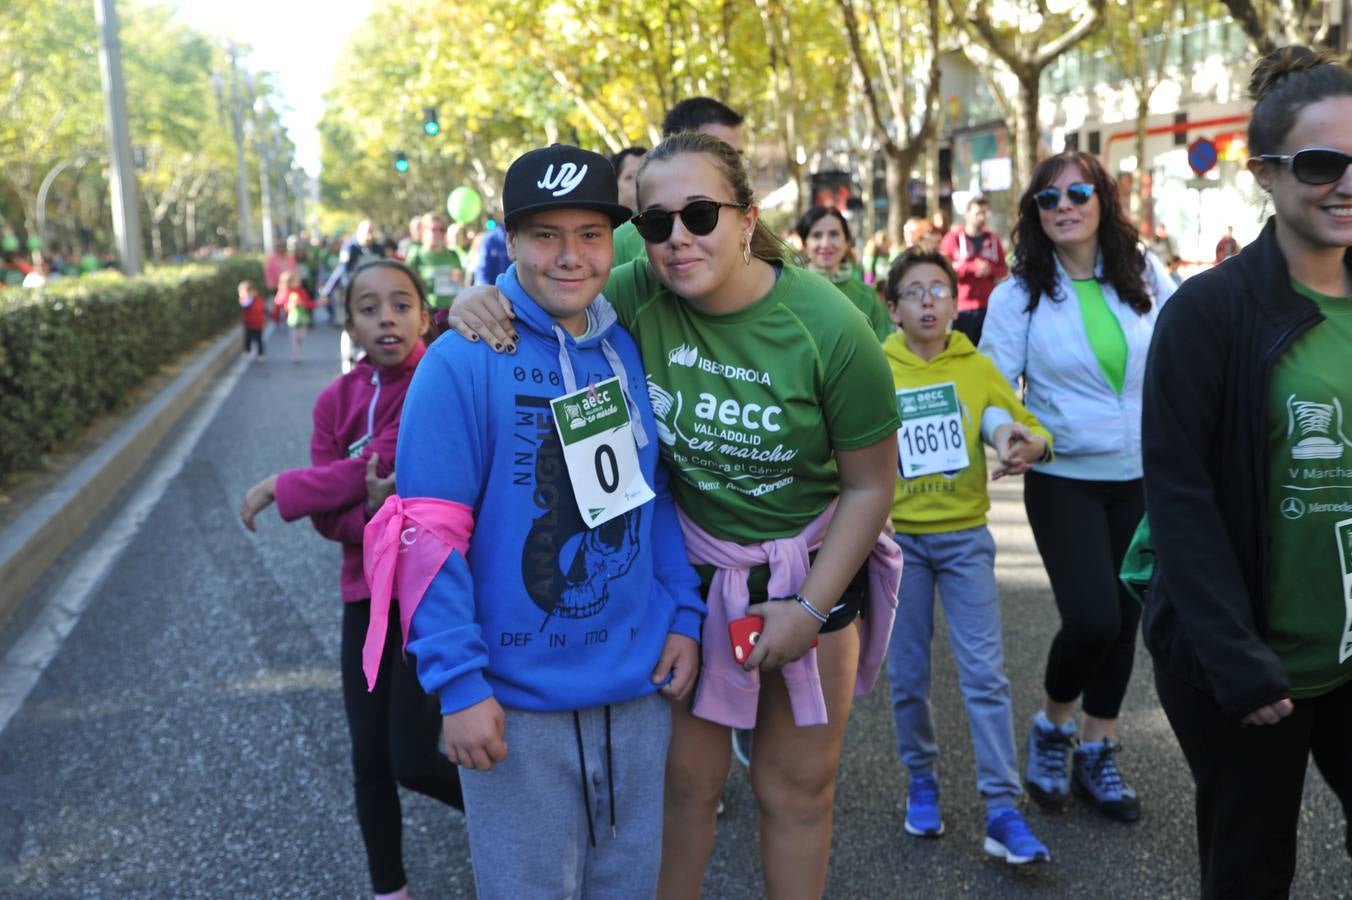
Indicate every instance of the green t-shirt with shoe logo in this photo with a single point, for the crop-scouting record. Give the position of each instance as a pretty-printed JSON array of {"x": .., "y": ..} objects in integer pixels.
[
  {"x": 1310, "y": 502},
  {"x": 752, "y": 405}
]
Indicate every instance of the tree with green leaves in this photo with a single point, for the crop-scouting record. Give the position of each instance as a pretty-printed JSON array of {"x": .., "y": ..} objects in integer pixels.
[
  {"x": 1011, "y": 44},
  {"x": 1270, "y": 24},
  {"x": 902, "y": 108},
  {"x": 1140, "y": 32}
]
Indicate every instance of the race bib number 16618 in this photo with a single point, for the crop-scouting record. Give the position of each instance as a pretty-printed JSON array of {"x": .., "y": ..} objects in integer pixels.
[{"x": 931, "y": 438}]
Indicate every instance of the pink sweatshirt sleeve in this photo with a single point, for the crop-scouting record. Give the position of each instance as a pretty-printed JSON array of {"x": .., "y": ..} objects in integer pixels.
[
  {"x": 345, "y": 526},
  {"x": 333, "y": 483}
]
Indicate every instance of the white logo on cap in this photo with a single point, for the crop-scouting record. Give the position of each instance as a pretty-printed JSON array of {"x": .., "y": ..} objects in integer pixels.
[{"x": 568, "y": 177}]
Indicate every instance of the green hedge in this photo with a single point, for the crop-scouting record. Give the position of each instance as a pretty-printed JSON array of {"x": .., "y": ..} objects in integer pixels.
[{"x": 73, "y": 350}]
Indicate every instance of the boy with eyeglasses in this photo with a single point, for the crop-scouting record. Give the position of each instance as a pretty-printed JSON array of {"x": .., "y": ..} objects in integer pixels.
[{"x": 951, "y": 398}]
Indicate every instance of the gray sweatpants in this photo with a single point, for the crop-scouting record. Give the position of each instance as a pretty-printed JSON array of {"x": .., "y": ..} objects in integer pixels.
[{"x": 528, "y": 828}]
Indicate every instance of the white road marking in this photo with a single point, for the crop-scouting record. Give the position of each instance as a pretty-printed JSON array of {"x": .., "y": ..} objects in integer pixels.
[{"x": 62, "y": 607}]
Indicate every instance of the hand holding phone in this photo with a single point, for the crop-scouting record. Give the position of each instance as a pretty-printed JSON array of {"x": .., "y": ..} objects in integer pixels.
[{"x": 744, "y": 633}]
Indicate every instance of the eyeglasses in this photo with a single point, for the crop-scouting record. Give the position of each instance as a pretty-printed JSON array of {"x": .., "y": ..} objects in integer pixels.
[
  {"x": 939, "y": 291},
  {"x": 1050, "y": 198},
  {"x": 1313, "y": 165},
  {"x": 700, "y": 217}
]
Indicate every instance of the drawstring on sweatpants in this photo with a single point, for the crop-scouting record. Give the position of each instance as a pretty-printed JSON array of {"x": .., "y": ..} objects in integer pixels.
[
  {"x": 610, "y": 773},
  {"x": 610, "y": 776}
]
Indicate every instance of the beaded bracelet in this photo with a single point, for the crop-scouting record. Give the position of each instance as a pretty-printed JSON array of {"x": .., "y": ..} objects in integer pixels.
[{"x": 811, "y": 610}]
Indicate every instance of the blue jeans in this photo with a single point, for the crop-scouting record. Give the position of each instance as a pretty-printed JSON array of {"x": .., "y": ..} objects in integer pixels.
[{"x": 961, "y": 564}]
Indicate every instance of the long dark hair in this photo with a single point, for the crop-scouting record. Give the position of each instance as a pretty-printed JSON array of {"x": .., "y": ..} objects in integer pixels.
[{"x": 1035, "y": 256}]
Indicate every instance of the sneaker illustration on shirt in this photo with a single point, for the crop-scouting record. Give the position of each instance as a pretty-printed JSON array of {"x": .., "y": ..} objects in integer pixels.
[{"x": 1318, "y": 424}]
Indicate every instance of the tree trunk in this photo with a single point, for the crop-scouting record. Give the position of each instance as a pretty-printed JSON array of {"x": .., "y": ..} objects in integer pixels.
[
  {"x": 868, "y": 216},
  {"x": 1138, "y": 215},
  {"x": 1026, "y": 131},
  {"x": 898, "y": 194},
  {"x": 933, "y": 204}
]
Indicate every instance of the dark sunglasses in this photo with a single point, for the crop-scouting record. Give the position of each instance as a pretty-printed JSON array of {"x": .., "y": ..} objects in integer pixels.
[
  {"x": 1313, "y": 165},
  {"x": 1049, "y": 198},
  {"x": 700, "y": 217}
]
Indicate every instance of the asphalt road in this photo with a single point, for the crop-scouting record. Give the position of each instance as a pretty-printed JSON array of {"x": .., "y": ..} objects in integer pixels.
[{"x": 187, "y": 739}]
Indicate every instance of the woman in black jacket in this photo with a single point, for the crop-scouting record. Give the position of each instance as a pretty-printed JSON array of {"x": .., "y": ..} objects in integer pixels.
[{"x": 1248, "y": 480}]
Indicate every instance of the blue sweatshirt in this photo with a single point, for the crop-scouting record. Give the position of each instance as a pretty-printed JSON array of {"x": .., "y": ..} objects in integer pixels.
[{"x": 545, "y": 614}]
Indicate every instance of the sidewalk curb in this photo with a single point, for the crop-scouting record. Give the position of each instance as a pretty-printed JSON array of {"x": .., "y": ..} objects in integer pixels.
[{"x": 34, "y": 540}]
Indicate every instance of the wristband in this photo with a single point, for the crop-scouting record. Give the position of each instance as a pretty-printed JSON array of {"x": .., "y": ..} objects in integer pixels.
[{"x": 811, "y": 610}]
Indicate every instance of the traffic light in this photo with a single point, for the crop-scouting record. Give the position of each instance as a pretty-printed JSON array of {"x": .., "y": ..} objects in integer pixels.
[
  {"x": 431, "y": 124},
  {"x": 400, "y": 162}
]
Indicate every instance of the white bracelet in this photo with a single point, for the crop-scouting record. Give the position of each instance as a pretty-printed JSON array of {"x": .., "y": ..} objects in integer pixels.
[{"x": 811, "y": 610}]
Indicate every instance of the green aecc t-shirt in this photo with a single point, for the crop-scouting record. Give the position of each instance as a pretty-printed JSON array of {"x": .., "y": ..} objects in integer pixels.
[
  {"x": 1310, "y": 502},
  {"x": 441, "y": 271},
  {"x": 752, "y": 405}
]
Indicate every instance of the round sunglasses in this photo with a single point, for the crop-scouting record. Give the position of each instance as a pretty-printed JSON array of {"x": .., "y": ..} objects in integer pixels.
[
  {"x": 1050, "y": 198},
  {"x": 1313, "y": 165},
  {"x": 700, "y": 217}
]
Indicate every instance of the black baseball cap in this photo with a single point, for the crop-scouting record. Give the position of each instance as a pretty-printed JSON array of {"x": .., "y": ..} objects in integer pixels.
[{"x": 561, "y": 176}]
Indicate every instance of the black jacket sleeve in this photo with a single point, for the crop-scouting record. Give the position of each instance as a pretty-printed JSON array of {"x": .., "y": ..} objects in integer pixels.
[{"x": 1187, "y": 431}]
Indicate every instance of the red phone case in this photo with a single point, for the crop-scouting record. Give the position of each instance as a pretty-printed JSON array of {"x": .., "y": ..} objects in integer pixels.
[{"x": 744, "y": 633}]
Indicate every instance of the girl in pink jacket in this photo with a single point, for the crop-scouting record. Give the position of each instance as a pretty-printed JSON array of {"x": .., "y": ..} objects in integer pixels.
[{"x": 395, "y": 726}]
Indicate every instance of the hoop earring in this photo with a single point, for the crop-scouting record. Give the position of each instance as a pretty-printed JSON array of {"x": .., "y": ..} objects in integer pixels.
[{"x": 746, "y": 251}]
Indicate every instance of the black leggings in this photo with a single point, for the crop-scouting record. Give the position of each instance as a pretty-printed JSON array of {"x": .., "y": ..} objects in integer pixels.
[
  {"x": 1250, "y": 783},
  {"x": 252, "y": 338},
  {"x": 394, "y": 739},
  {"x": 1082, "y": 529}
]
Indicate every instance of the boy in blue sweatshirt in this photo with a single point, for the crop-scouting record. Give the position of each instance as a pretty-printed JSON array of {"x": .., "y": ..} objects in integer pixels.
[{"x": 549, "y": 642}]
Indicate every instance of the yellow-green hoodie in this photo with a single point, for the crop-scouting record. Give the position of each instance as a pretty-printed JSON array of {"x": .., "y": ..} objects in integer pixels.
[{"x": 942, "y": 502}]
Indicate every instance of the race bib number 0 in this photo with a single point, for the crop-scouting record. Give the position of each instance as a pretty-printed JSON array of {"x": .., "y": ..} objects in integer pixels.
[
  {"x": 931, "y": 438},
  {"x": 599, "y": 451}
]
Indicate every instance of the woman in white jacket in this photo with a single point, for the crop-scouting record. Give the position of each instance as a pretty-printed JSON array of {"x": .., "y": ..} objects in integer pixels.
[{"x": 1075, "y": 322}]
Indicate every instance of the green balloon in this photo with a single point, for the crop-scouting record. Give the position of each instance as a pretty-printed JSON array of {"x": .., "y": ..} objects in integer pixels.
[
  {"x": 9, "y": 242},
  {"x": 464, "y": 204},
  {"x": 34, "y": 242}
]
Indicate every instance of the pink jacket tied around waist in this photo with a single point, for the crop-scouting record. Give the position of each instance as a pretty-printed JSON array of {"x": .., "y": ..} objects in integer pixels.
[
  {"x": 727, "y": 694},
  {"x": 404, "y": 547}
]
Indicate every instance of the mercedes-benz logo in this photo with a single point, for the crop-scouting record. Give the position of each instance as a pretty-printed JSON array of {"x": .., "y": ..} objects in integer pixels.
[{"x": 1293, "y": 508}]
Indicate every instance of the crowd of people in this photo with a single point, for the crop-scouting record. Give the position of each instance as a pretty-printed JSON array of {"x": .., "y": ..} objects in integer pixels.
[{"x": 667, "y": 486}]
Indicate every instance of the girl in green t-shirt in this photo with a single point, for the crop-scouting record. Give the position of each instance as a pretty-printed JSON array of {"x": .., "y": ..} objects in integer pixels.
[
  {"x": 774, "y": 403},
  {"x": 1248, "y": 474},
  {"x": 827, "y": 244}
]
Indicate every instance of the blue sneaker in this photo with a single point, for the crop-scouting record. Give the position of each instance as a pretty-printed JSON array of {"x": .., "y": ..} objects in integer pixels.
[
  {"x": 1097, "y": 779},
  {"x": 1009, "y": 838},
  {"x": 741, "y": 745},
  {"x": 1048, "y": 776},
  {"x": 922, "y": 807}
]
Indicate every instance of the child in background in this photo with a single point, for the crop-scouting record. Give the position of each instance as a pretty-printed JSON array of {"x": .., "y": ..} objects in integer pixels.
[
  {"x": 253, "y": 315},
  {"x": 292, "y": 296},
  {"x": 951, "y": 398},
  {"x": 394, "y": 728}
]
